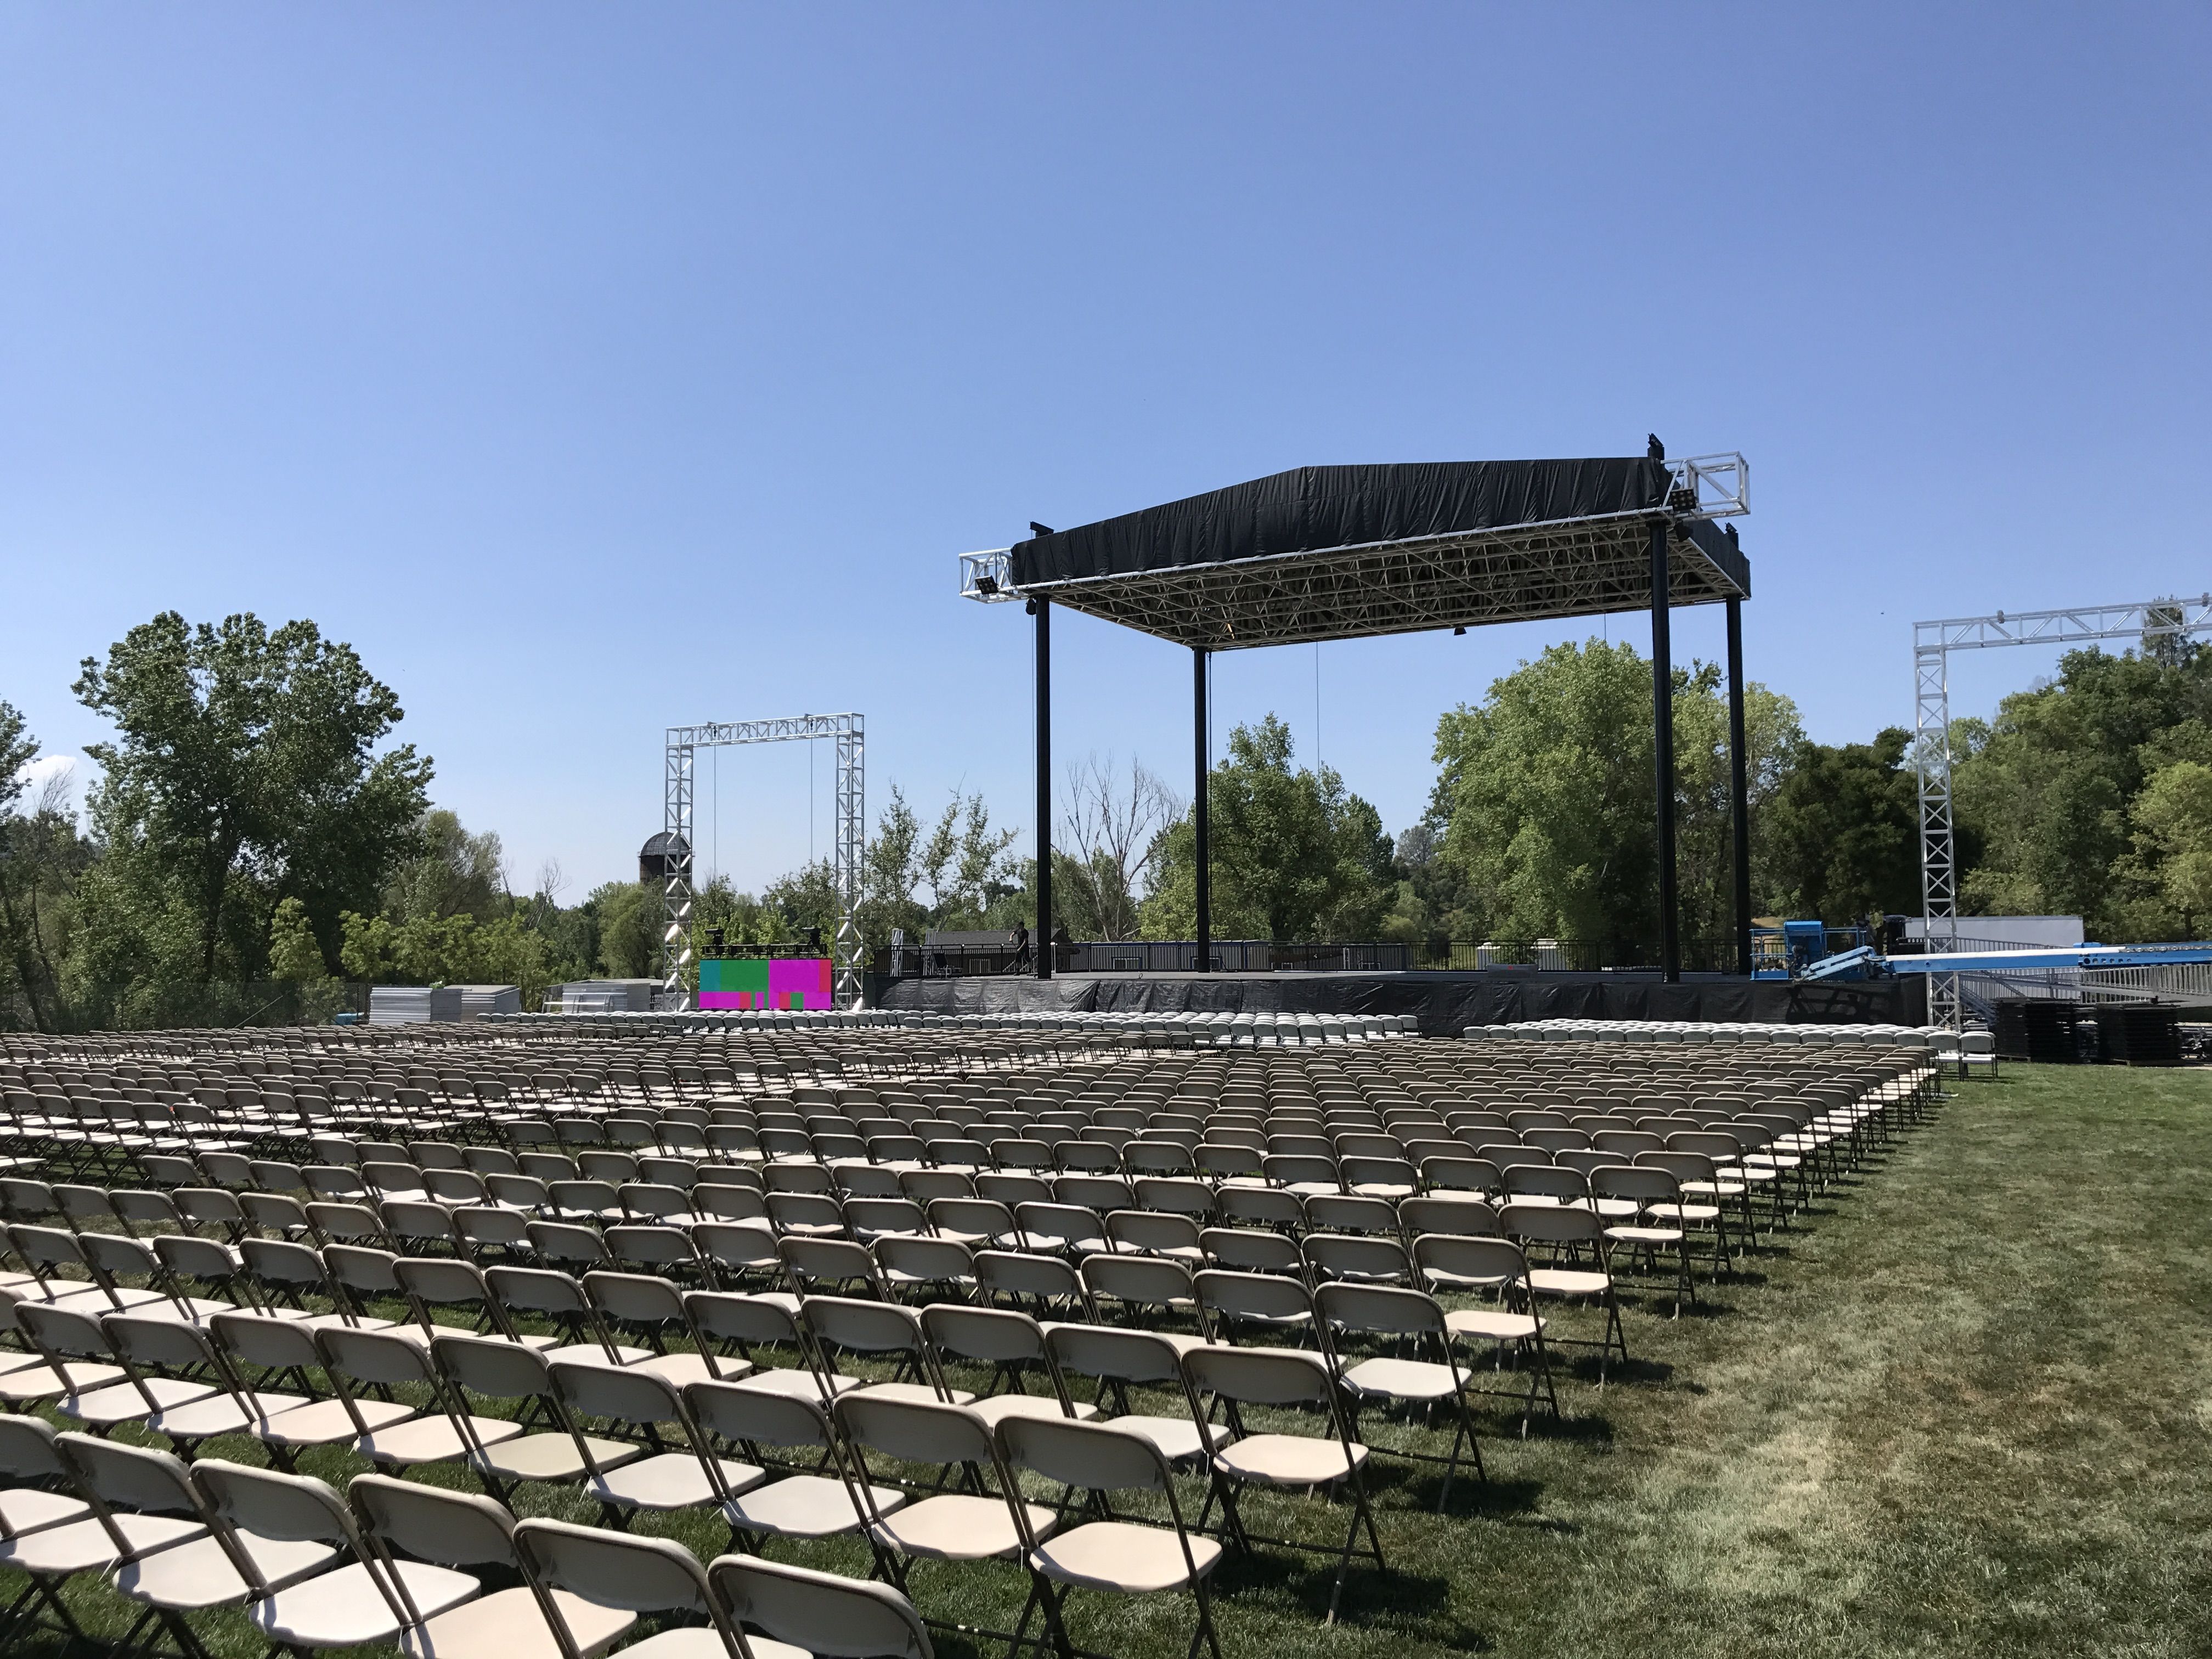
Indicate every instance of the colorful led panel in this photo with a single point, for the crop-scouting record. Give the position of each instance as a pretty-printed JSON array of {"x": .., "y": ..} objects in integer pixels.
[{"x": 757, "y": 982}]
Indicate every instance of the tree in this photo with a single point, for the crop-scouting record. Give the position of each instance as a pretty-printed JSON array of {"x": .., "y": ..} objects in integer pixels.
[
  {"x": 42, "y": 858},
  {"x": 1842, "y": 831},
  {"x": 454, "y": 873},
  {"x": 294, "y": 956},
  {"x": 243, "y": 770},
  {"x": 2049, "y": 790},
  {"x": 2173, "y": 820},
  {"x": 1107, "y": 839},
  {"x": 629, "y": 928},
  {"x": 1546, "y": 792},
  {"x": 1294, "y": 854}
]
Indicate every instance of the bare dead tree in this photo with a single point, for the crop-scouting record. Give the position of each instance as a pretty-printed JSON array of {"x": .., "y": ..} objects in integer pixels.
[{"x": 1106, "y": 838}]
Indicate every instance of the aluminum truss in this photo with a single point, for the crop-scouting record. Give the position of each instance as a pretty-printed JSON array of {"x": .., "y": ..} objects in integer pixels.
[
  {"x": 848, "y": 839},
  {"x": 1932, "y": 645}
]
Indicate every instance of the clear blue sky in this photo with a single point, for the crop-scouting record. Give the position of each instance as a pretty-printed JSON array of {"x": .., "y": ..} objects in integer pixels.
[{"x": 592, "y": 368}]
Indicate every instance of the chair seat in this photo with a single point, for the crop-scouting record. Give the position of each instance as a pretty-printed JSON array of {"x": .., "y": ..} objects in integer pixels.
[
  {"x": 198, "y": 1573},
  {"x": 1287, "y": 1460},
  {"x": 804, "y": 1506},
  {"x": 509, "y": 1624},
  {"x": 698, "y": 1641},
  {"x": 670, "y": 1480},
  {"x": 86, "y": 1546},
  {"x": 1684, "y": 1212},
  {"x": 347, "y": 1607},
  {"x": 124, "y": 1403},
  {"x": 1645, "y": 1235},
  {"x": 37, "y": 1381},
  {"x": 679, "y": 1369},
  {"x": 1175, "y": 1437},
  {"x": 1123, "y": 1557},
  {"x": 27, "y": 1506},
  {"x": 1492, "y": 1324},
  {"x": 794, "y": 1381},
  {"x": 432, "y": 1439},
  {"x": 1568, "y": 1281},
  {"x": 955, "y": 1527},
  {"x": 919, "y": 1394},
  {"x": 997, "y": 1407},
  {"x": 223, "y": 1414},
  {"x": 552, "y": 1457},
  {"x": 1402, "y": 1379},
  {"x": 591, "y": 1353},
  {"x": 324, "y": 1422}
]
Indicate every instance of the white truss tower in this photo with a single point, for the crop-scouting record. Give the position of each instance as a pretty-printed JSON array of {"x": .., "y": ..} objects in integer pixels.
[
  {"x": 1932, "y": 645},
  {"x": 848, "y": 839}
]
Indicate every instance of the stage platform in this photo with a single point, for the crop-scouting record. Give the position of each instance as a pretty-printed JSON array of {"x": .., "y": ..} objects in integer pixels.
[{"x": 1445, "y": 1003}]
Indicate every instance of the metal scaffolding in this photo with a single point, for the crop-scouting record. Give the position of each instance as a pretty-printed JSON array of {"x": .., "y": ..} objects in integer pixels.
[
  {"x": 1932, "y": 645},
  {"x": 847, "y": 842}
]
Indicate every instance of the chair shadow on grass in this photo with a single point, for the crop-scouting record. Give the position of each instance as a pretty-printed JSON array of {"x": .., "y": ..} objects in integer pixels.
[{"x": 1369, "y": 1595}]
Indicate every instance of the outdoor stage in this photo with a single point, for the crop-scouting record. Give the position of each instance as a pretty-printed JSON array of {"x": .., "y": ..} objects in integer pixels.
[{"x": 1445, "y": 1003}]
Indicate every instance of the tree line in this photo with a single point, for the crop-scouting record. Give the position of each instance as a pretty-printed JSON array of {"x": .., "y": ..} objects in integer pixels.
[{"x": 253, "y": 824}]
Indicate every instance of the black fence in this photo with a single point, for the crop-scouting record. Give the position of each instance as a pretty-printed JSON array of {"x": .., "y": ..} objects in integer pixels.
[
  {"x": 1578, "y": 956},
  {"x": 970, "y": 959},
  {"x": 220, "y": 1004}
]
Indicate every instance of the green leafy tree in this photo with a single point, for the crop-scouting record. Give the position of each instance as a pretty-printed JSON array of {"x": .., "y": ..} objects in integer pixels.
[
  {"x": 42, "y": 859},
  {"x": 454, "y": 873},
  {"x": 244, "y": 768},
  {"x": 2173, "y": 830},
  {"x": 629, "y": 929},
  {"x": 1546, "y": 799},
  {"x": 1842, "y": 831},
  {"x": 295, "y": 958},
  {"x": 2048, "y": 788},
  {"x": 1295, "y": 854}
]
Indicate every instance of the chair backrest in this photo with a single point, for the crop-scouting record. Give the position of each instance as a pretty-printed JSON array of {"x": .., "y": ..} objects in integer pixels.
[
  {"x": 1250, "y": 1249},
  {"x": 1478, "y": 1261},
  {"x": 373, "y": 1356},
  {"x": 774, "y": 1419},
  {"x": 1380, "y": 1310},
  {"x": 1339, "y": 1256},
  {"x": 1092, "y": 1456},
  {"x": 995, "y": 1335},
  {"x": 1257, "y": 1296},
  {"x": 27, "y": 1450},
  {"x": 1552, "y": 1225},
  {"x": 915, "y": 1431},
  {"x": 1144, "y": 1358},
  {"x": 270, "y": 1504},
  {"x": 131, "y": 1477},
  {"x": 862, "y": 1327},
  {"x": 62, "y": 1330},
  {"x": 618, "y": 1570},
  {"x": 1261, "y": 1377},
  {"x": 451, "y": 1528},
  {"x": 824, "y": 1614},
  {"x": 617, "y": 1393}
]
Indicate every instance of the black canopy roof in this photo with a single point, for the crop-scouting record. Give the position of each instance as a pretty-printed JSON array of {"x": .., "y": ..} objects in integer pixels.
[{"x": 1340, "y": 552}]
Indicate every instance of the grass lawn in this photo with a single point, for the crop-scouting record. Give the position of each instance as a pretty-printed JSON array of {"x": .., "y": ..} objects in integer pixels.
[{"x": 1963, "y": 1408}]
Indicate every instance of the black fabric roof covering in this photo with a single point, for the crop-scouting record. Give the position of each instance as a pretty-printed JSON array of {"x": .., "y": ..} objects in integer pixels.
[
  {"x": 1309, "y": 508},
  {"x": 1343, "y": 552}
]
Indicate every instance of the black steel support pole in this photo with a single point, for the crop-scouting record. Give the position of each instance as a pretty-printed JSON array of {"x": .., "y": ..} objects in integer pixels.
[
  {"x": 1043, "y": 787},
  {"x": 1200, "y": 762},
  {"x": 1663, "y": 744},
  {"x": 1739, "y": 789}
]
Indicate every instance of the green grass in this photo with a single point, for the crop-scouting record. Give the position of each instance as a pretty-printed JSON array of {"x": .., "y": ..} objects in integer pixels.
[{"x": 1963, "y": 1408}]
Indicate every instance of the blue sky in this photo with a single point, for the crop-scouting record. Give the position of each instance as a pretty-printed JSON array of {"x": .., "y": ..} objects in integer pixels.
[{"x": 592, "y": 368}]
